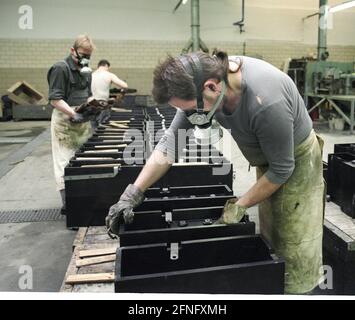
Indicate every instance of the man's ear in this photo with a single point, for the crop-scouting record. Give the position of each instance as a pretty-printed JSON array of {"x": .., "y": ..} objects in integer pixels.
[
  {"x": 211, "y": 85},
  {"x": 233, "y": 66}
]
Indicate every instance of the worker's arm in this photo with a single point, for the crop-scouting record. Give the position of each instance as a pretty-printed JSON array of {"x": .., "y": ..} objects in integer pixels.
[
  {"x": 156, "y": 167},
  {"x": 274, "y": 128},
  {"x": 260, "y": 191},
  {"x": 62, "y": 106},
  {"x": 118, "y": 82}
]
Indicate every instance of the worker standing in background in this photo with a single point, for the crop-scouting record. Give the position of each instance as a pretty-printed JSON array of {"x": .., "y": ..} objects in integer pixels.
[
  {"x": 102, "y": 79},
  {"x": 269, "y": 121},
  {"x": 69, "y": 83}
]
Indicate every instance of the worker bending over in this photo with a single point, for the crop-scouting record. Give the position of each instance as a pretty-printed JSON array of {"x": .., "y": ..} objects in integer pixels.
[{"x": 268, "y": 119}]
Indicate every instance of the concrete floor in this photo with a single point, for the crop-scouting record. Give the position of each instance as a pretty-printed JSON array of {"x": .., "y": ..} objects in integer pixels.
[{"x": 46, "y": 246}]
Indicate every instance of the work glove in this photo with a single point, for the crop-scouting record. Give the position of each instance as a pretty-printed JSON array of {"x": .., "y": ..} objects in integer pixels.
[
  {"x": 78, "y": 118},
  {"x": 131, "y": 198},
  {"x": 232, "y": 212}
]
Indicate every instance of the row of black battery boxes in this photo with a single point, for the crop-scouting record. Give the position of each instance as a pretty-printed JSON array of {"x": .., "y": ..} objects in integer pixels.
[{"x": 173, "y": 244}]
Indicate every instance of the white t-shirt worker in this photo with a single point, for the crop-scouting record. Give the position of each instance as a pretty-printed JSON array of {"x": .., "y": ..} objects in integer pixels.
[{"x": 101, "y": 82}]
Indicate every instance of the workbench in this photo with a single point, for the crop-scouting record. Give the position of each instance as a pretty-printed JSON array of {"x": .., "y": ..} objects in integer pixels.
[{"x": 333, "y": 100}]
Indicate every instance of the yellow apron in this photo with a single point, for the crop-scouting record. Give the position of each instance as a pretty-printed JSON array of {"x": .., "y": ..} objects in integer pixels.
[
  {"x": 66, "y": 138},
  {"x": 292, "y": 218}
]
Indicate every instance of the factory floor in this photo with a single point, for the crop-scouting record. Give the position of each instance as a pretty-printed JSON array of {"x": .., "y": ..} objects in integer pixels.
[{"x": 27, "y": 183}]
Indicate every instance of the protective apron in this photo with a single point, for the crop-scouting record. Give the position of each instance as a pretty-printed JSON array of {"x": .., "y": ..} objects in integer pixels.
[
  {"x": 66, "y": 136},
  {"x": 292, "y": 218}
]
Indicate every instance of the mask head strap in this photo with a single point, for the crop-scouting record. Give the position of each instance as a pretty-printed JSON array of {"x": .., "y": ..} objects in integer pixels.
[{"x": 194, "y": 68}]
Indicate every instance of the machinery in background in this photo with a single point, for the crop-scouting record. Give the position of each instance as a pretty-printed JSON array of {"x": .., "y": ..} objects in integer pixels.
[
  {"x": 328, "y": 87},
  {"x": 322, "y": 77}
]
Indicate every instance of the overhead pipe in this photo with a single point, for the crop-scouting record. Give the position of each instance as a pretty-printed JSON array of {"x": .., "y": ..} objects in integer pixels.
[
  {"x": 322, "y": 30},
  {"x": 195, "y": 24},
  {"x": 240, "y": 23},
  {"x": 195, "y": 43}
]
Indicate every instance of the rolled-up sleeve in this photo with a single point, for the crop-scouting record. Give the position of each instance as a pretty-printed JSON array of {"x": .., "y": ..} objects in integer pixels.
[
  {"x": 57, "y": 82},
  {"x": 174, "y": 138},
  {"x": 274, "y": 129}
]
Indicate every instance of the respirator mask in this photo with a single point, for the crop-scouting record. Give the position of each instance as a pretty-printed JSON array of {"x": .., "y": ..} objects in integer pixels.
[
  {"x": 83, "y": 62},
  {"x": 206, "y": 129}
]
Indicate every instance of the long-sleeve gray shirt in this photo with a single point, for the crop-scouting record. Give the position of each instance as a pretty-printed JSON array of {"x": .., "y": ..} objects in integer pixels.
[{"x": 268, "y": 122}]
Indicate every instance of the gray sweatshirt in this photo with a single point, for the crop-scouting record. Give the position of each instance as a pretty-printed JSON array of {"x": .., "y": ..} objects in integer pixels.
[{"x": 268, "y": 122}]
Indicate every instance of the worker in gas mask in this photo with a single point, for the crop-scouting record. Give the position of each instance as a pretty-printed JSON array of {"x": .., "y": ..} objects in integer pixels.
[
  {"x": 268, "y": 119},
  {"x": 69, "y": 83}
]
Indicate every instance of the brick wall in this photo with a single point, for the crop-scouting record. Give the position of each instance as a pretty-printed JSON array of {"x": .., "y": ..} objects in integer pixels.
[{"x": 133, "y": 61}]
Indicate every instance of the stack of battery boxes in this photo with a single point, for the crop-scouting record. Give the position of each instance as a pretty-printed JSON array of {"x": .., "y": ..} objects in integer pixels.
[
  {"x": 102, "y": 168},
  {"x": 175, "y": 243},
  {"x": 338, "y": 245},
  {"x": 113, "y": 157}
]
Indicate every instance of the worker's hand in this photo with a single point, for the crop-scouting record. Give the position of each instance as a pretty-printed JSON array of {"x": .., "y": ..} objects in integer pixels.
[
  {"x": 131, "y": 198},
  {"x": 78, "y": 118},
  {"x": 232, "y": 212}
]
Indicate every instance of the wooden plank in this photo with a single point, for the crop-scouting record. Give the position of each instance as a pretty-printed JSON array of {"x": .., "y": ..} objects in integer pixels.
[
  {"x": 120, "y": 110},
  {"x": 112, "y": 130},
  {"x": 95, "y": 260},
  {"x": 72, "y": 269},
  {"x": 98, "y": 268},
  {"x": 97, "y": 252},
  {"x": 90, "y": 278},
  {"x": 79, "y": 238},
  {"x": 121, "y": 126},
  {"x": 94, "y": 244},
  {"x": 120, "y": 121},
  {"x": 111, "y": 146}
]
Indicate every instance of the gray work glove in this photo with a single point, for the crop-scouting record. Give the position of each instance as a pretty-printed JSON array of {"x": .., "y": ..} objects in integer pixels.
[
  {"x": 232, "y": 212},
  {"x": 78, "y": 118},
  {"x": 131, "y": 198}
]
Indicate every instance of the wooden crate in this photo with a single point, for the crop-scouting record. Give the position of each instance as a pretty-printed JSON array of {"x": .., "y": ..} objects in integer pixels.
[{"x": 23, "y": 93}]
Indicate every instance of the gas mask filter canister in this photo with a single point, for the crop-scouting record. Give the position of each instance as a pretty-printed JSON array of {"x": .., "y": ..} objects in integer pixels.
[{"x": 83, "y": 62}]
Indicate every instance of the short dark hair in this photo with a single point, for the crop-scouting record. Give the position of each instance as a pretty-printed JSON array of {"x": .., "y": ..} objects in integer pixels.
[
  {"x": 103, "y": 63},
  {"x": 172, "y": 80}
]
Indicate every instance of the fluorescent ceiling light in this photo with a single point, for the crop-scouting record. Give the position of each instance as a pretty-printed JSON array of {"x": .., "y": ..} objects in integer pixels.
[
  {"x": 342, "y": 6},
  {"x": 184, "y": 1}
]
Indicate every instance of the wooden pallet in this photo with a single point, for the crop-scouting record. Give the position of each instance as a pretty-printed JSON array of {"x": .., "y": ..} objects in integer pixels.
[{"x": 92, "y": 265}]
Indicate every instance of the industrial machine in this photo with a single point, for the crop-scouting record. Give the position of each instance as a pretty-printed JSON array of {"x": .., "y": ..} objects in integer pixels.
[
  {"x": 322, "y": 77},
  {"x": 328, "y": 87}
]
